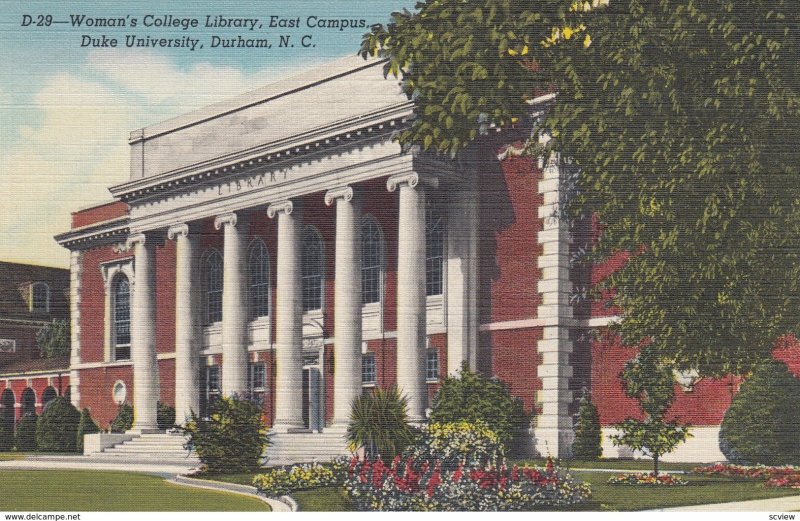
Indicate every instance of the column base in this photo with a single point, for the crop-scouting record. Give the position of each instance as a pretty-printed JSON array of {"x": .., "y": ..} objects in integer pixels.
[
  {"x": 285, "y": 428},
  {"x": 553, "y": 442},
  {"x": 336, "y": 428},
  {"x": 145, "y": 430}
]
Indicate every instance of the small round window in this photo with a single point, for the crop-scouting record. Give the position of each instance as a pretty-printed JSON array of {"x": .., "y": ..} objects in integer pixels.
[{"x": 120, "y": 392}]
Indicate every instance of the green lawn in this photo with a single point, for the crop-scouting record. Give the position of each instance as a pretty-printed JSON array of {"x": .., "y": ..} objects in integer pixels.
[
  {"x": 643, "y": 465},
  {"x": 71, "y": 490},
  {"x": 700, "y": 490}
]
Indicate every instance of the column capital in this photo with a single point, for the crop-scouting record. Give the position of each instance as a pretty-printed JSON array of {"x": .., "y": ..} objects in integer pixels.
[
  {"x": 286, "y": 207},
  {"x": 178, "y": 230},
  {"x": 344, "y": 192},
  {"x": 133, "y": 240},
  {"x": 226, "y": 218},
  {"x": 411, "y": 179}
]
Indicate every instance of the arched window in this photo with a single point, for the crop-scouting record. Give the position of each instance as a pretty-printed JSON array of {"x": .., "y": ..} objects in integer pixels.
[
  {"x": 121, "y": 317},
  {"x": 434, "y": 247},
  {"x": 48, "y": 395},
  {"x": 371, "y": 262},
  {"x": 313, "y": 269},
  {"x": 40, "y": 297},
  {"x": 28, "y": 401},
  {"x": 258, "y": 272},
  {"x": 214, "y": 287}
]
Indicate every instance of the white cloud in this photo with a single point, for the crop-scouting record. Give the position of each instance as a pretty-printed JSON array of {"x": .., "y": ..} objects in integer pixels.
[{"x": 78, "y": 146}]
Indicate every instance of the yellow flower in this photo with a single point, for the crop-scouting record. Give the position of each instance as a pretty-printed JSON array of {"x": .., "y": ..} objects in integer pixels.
[
  {"x": 587, "y": 41},
  {"x": 568, "y": 32}
]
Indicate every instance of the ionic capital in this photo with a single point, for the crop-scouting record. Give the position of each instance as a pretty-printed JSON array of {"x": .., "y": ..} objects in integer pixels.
[
  {"x": 226, "y": 218},
  {"x": 411, "y": 179},
  {"x": 178, "y": 230},
  {"x": 133, "y": 240},
  {"x": 344, "y": 192},
  {"x": 286, "y": 207}
]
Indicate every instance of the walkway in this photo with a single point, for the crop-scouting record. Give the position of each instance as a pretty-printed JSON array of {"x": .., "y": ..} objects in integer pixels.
[{"x": 778, "y": 504}]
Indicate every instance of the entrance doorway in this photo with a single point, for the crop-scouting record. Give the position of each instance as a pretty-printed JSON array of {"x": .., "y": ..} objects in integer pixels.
[{"x": 313, "y": 414}]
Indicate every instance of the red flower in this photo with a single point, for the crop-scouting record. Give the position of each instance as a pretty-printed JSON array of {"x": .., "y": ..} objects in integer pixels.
[
  {"x": 436, "y": 478},
  {"x": 458, "y": 473}
]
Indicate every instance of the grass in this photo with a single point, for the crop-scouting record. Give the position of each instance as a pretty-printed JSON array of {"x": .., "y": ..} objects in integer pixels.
[
  {"x": 324, "y": 499},
  {"x": 700, "y": 490},
  {"x": 81, "y": 490},
  {"x": 644, "y": 465}
]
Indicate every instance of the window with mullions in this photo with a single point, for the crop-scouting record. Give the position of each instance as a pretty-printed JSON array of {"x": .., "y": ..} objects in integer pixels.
[
  {"x": 369, "y": 371},
  {"x": 371, "y": 262},
  {"x": 432, "y": 365},
  {"x": 40, "y": 297},
  {"x": 212, "y": 384},
  {"x": 121, "y": 318},
  {"x": 434, "y": 248},
  {"x": 258, "y": 272},
  {"x": 214, "y": 287},
  {"x": 257, "y": 382},
  {"x": 313, "y": 266}
]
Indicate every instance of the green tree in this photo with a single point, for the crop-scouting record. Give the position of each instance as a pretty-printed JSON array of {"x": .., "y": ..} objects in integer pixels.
[
  {"x": 681, "y": 118},
  {"x": 123, "y": 421},
  {"x": 762, "y": 423},
  {"x": 652, "y": 384},
  {"x": 472, "y": 397},
  {"x": 54, "y": 339},
  {"x": 26, "y": 432},
  {"x": 232, "y": 439},
  {"x": 57, "y": 429},
  {"x": 588, "y": 436},
  {"x": 379, "y": 423}
]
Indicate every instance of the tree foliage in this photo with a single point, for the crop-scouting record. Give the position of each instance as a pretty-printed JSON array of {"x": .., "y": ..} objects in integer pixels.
[
  {"x": 652, "y": 384},
  {"x": 762, "y": 423},
  {"x": 682, "y": 118},
  {"x": 379, "y": 423},
  {"x": 232, "y": 439},
  {"x": 57, "y": 429},
  {"x": 472, "y": 397},
  {"x": 26, "y": 432},
  {"x": 54, "y": 339},
  {"x": 86, "y": 425},
  {"x": 588, "y": 435},
  {"x": 123, "y": 421}
]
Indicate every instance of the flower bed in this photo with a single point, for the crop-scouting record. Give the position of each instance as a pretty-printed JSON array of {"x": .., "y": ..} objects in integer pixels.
[
  {"x": 279, "y": 482},
  {"x": 647, "y": 480},
  {"x": 784, "y": 476},
  {"x": 411, "y": 485}
]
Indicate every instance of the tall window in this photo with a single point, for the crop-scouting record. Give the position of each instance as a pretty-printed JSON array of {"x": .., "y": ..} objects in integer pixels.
[
  {"x": 40, "y": 297},
  {"x": 432, "y": 365},
  {"x": 121, "y": 318},
  {"x": 257, "y": 382},
  {"x": 258, "y": 271},
  {"x": 212, "y": 384},
  {"x": 434, "y": 247},
  {"x": 369, "y": 372},
  {"x": 313, "y": 266},
  {"x": 371, "y": 262},
  {"x": 214, "y": 286}
]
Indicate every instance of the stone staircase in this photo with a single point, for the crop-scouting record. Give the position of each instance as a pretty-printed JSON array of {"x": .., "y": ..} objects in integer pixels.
[
  {"x": 304, "y": 447},
  {"x": 163, "y": 448}
]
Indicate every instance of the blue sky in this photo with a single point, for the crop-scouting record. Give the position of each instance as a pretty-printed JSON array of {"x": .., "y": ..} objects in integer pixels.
[{"x": 66, "y": 110}]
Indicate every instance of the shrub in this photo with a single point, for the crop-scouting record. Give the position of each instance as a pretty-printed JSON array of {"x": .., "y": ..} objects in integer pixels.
[
  {"x": 588, "y": 436},
  {"x": 468, "y": 444},
  {"x": 378, "y": 422},
  {"x": 6, "y": 436},
  {"x": 473, "y": 397},
  {"x": 57, "y": 429},
  {"x": 26, "y": 432},
  {"x": 279, "y": 482},
  {"x": 85, "y": 426},
  {"x": 165, "y": 416},
  {"x": 232, "y": 439},
  {"x": 123, "y": 421},
  {"x": 762, "y": 422}
]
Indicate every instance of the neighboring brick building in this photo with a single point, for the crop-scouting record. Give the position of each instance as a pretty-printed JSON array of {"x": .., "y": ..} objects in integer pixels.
[
  {"x": 281, "y": 245},
  {"x": 30, "y": 298}
]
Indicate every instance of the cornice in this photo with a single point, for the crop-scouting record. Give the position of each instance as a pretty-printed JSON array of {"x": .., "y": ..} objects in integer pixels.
[
  {"x": 385, "y": 121},
  {"x": 97, "y": 234}
]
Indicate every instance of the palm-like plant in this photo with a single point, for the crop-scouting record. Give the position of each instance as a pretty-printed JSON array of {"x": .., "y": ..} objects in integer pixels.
[{"x": 378, "y": 422}]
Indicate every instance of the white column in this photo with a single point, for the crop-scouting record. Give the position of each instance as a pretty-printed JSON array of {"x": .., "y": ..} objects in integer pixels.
[
  {"x": 187, "y": 366},
  {"x": 553, "y": 433},
  {"x": 289, "y": 319},
  {"x": 146, "y": 389},
  {"x": 411, "y": 300},
  {"x": 75, "y": 271},
  {"x": 347, "y": 305},
  {"x": 234, "y": 307}
]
